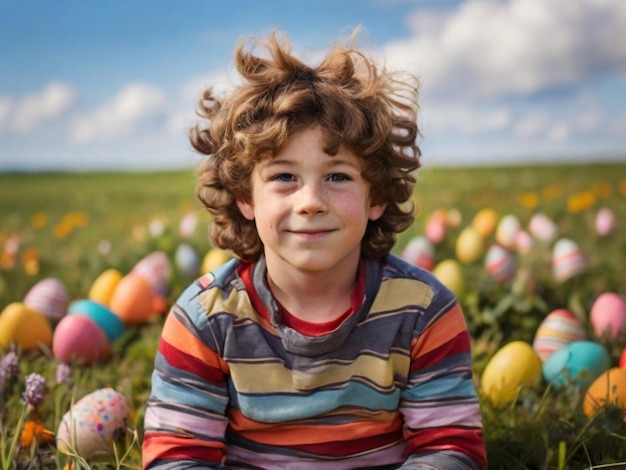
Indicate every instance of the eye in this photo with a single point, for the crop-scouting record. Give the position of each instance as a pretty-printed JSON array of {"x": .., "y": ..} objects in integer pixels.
[
  {"x": 339, "y": 177},
  {"x": 285, "y": 177}
]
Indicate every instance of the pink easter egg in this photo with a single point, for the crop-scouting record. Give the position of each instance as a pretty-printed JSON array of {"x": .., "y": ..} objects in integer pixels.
[
  {"x": 500, "y": 264},
  {"x": 50, "y": 297},
  {"x": 557, "y": 329},
  {"x": 78, "y": 338},
  {"x": 523, "y": 241},
  {"x": 542, "y": 227},
  {"x": 608, "y": 315},
  {"x": 567, "y": 260},
  {"x": 605, "y": 222},
  {"x": 420, "y": 252},
  {"x": 436, "y": 227}
]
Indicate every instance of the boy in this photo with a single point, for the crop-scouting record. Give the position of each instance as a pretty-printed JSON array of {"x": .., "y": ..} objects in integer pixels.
[{"x": 314, "y": 348}]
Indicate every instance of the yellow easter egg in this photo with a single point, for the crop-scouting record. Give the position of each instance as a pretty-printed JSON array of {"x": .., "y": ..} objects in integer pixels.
[
  {"x": 103, "y": 287},
  {"x": 450, "y": 273},
  {"x": 25, "y": 326},
  {"x": 213, "y": 259},
  {"x": 470, "y": 246},
  {"x": 608, "y": 389},
  {"x": 512, "y": 367},
  {"x": 485, "y": 221}
]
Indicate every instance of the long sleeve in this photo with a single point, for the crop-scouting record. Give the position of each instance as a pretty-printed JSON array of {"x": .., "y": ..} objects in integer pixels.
[
  {"x": 185, "y": 414},
  {"x": 443, "y": 424}
]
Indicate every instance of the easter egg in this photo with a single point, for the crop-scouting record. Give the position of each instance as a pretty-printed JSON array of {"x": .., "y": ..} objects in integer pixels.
[
  {"x": 567, "y": 260},
  {"x": 24, "y": 326},
  {"x": 558, "y": 328},
  {"x": 108, "y": 322},
  {"x": 90, "y": 425},
  {"x": 512, "y": 367},
  {"x": 156, "y": 268},
  {"x": 187, "y": 260},
  {"x": 214, "y": 259},
  {"x": 436, "y": 227},
  {"x": 450, "y": 273},
  {"x": 604, "y": 222},
  {"x": 78, "y": 338},
  {"x": 500, "y": 264},
  {"x": 608, "y": 315},
  {"x": 542, "y": 227},
  {"x": 470, "y": 246},
  {"x": 577, "y": 363},
  {"x": 134, "y": 299},
  {"x": 103, "y": 287},
  {"x": 608, "y": 389},
  {"x": 622, "y": 359},
  {"x": 50, "y": 297},
  {"x": 485, "y": 222},
  {"x": 453, "y": 218},
  {"x": 507, "y": 230},
  {"x": 187, "y": 224},
  {"x": 419, "y": 251}
]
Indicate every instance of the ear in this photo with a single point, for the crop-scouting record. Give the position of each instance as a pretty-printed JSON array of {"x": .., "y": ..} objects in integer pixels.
[
  {"x": 377, "y": 211},
  {"x": 246, "y": 209}
]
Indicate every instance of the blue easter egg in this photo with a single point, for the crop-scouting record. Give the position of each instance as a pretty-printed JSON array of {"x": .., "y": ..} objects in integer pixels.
[
  {"x": 577, "y": 363},
  {"x": 110, "y": 323}
]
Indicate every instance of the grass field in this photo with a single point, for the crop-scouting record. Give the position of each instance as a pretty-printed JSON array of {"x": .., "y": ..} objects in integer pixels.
[{"x": 75, "y": 226}]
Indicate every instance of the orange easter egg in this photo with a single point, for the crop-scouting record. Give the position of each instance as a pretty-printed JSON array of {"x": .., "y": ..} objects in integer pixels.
[
  {"x": 485, "y": 221},
  {"x": 608, "y": 389},
  {"x": 133, "y": 299}
]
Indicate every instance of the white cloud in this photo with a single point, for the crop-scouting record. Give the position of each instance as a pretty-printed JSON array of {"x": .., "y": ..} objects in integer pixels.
[
  {"x": 489, "y": 48},
  {"x": 6, "y": 107},
  {"x": 26, "y": 113},
  {"x": 134, "y": 105},
  {"x": 443, "y": 117}
]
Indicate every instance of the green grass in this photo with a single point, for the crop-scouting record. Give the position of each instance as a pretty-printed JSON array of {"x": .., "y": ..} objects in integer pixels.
[{"x": 544, "y": 429}]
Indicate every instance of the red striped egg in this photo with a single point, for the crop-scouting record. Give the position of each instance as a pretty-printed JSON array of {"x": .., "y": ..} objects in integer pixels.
[{"x": 558, "y": 329}]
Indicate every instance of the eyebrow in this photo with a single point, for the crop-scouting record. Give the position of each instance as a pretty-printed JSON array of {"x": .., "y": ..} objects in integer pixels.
[{"x": 334, "y": 162}]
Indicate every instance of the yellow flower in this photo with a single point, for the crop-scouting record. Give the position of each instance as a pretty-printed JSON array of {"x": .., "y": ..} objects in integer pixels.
[
  {"x": 529, "y": 200},
  {"x": 30, "y": 261},
  {"x": 38, "y": 220},
  {"x": 622, "y": 187},
  {"x": 602, "y": 190},
  {"x": 35, "y": 431}
]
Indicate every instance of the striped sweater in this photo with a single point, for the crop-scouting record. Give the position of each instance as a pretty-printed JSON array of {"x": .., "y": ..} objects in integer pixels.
[{"x": 390, "y": 387}]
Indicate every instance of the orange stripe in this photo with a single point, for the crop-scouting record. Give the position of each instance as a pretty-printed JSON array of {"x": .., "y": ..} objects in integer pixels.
[
  {"x": 284, "y": 435},
  {"x": 446, "y": 327},
  {"x": 178, "y": 336}
]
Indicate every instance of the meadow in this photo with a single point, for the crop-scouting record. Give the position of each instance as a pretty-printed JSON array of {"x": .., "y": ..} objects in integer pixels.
[{"x": 73, "y": 227}]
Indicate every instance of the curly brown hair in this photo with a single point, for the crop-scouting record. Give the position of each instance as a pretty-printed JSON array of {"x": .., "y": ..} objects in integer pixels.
[{"x": 358, "y": 105}]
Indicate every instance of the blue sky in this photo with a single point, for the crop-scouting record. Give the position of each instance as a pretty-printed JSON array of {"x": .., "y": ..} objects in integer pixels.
[{"x": 112, "y": 85}]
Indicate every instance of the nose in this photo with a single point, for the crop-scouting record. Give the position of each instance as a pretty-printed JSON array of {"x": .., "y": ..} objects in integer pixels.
[{"x": 311, "y": 199}]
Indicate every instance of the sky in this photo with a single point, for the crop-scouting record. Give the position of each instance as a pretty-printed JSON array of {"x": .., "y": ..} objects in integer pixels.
[{"x": 113, "y": 85}]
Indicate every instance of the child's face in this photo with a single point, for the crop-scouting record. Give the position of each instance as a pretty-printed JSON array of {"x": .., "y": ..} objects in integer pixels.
[{"x": 310, "y": 209}]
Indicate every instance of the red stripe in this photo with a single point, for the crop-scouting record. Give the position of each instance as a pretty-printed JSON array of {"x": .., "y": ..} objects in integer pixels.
[
  {"x": 460, "y": 343},
  {"x": 355, "y": 446},
  {"x": 158, "y": 446},
  {"x": 465, "y": 441},
  {"x": 186, "y": 362}
]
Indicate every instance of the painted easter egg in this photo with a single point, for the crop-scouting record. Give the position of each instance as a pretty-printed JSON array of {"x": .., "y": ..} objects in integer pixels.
[
  {"x": 103, "y": 287},
  {"x": 500, "y": 264},
  {"x": 450, "y": 273},
  {"x": 77, "y": 338},
  {"x": 419, "y": 251},
  {"x": 567, "y": 260},
  {"x": 558, "y": 329},
  {"x": 577, "y": 363},
  {"x": 213, "y": 259},
  {"x": 608, "y": 315},
  {"x": 470, "y": 246},
  {"x": 507, "y": 230},
  {"x": 24, "y": 326},
  {"x": 157, "y": 269},
  {"x": 523, "y": 241},
  {"x": 608, "y": 389},
  {"x": 92, "y": 423},
  {"x": 188, "y": 224},
  {"x": 436, "y": 227},
  {"x": 512, "y": 367},
  {"x": 542, "y": 227},
  {"x": 485, "y": 222},
  {"x": 50, "y": 297},
  {"x": 134, "y": 299},
  {"x": 187, "y": 260},
  {"x": 109, "y": 322},
  {"x": 604, "y": 222}
]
